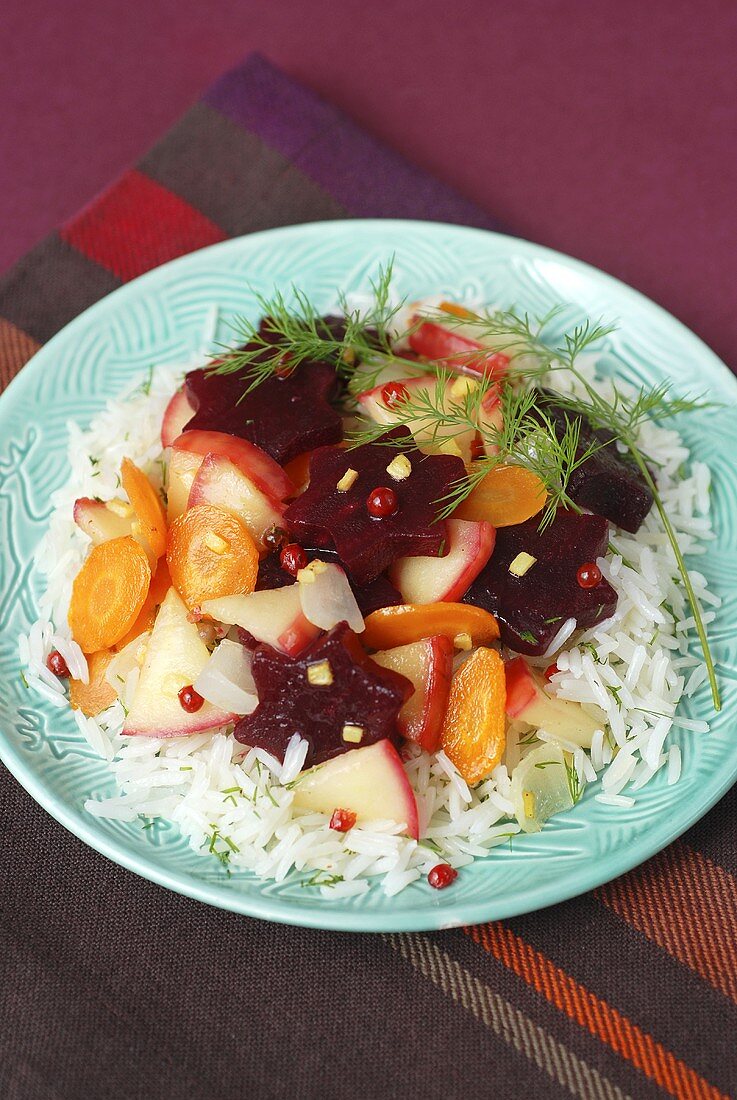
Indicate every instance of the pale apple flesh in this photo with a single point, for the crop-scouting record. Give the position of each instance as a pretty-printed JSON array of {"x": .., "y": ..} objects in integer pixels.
[
  {"x": 370, "y": 781},
  {"x": 273, "y": 616},
  {"x": 101, "y": 522},
  {"x": 428, "y": 664},
  {"x": 427, "y": 438},
  {"x": 528, "y": 701},
  {"x": 175, "y": 656},
  {"x": 423, "y": 579},
  {"x": 219, "y": 482},
  {"x": 260, "y": 468},
  {"x": 177, "y": 414}
]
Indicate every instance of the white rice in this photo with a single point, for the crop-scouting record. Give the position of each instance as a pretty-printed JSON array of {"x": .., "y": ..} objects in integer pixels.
[{"x": 634, "y": 668}]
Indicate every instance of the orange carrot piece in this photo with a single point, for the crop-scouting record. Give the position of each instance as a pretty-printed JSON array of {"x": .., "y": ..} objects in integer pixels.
[
  {"x": 474, "y": 732},
  {"x": 160, "y": 585},
  {"x": 147, "y": 506},
  {"x": 211, "y": 553},
  {"x": 408, "y": 622},
  {"x": 506, "y": 496},
  {"x": 108, "y": 593},
  {"x": 98, "y": 694},
  {"x": 456, "y": 310}
]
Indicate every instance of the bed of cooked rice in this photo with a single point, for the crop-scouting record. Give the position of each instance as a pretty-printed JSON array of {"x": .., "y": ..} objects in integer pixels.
[{"x": 236, "y": 805}]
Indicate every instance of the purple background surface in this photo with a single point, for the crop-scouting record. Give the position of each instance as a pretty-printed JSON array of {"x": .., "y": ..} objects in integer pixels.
[{"x": 606, "y": 130}]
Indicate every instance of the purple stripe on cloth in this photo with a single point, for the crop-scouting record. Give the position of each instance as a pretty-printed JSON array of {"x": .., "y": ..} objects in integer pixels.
[{"x": 368, "y": 179}]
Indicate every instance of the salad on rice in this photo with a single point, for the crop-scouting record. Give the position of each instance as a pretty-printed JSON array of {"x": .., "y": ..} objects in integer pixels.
[{"x": 370, "y": 594}]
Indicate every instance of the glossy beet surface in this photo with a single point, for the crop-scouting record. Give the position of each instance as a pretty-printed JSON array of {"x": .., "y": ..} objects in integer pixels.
[
  {"x": 377, "y": 593},
  {"x": 608, "y": 483},
  {"x": 326, "y": 516},
  {"x": 360, "y": 693},
  {"x": 284, "y": 415},
  {"x": 532, "y": 608}
]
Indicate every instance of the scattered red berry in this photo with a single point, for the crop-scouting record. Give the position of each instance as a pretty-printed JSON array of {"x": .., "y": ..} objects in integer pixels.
[
  {"x": 190, "y": 699},
  {"x": 382, "y": 502},
  {"x": 55, "y": 663},
  {"x": 442, "y": 875},
  {"x": 589, "y": 575},
  {"x": 293, "y": 558},
  {"x": 342, "y": 820},
  {"x": 551, "y": 670},
  {"x": 393, "y": 393}
]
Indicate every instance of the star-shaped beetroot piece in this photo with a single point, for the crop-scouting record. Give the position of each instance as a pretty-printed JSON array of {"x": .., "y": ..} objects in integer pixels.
[
  {"x": 338, "y": 517},
  {"x": 284, "y": 416},
  {"x": 332, "y": 695},
  {"x": 532, "y": 608}
]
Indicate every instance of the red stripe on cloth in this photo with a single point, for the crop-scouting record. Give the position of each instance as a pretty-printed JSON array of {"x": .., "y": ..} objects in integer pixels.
[
  {"x": 137, "y": 224},
  {"x": 589, "y": 1011},
  {"x": 16, "y": 348},
  {"x": 685, "y": 904}
]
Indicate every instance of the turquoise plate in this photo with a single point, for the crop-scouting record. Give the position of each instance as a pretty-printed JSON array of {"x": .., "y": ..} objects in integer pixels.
[{"x": 160, "y": 317}]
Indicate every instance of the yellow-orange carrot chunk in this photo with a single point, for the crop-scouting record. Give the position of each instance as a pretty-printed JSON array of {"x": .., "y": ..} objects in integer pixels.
[
  {"x": 474, "y": 731},
  {"x": 146, "y": 504},
  {"x": 98, "y": 694},
  {"x": 507, "y": 495},
  {"x": 210, "y": 553},
  {"x": 108, "y": 593},
  {"x": 409, "y": 622}
]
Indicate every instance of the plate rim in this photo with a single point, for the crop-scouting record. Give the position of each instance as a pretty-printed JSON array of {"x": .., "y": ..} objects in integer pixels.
[{"x": 437, "y": 914}]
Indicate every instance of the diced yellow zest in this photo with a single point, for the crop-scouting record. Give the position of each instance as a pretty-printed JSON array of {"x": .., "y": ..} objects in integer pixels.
[
  {"x": 450, "y": 447},
  {"x": 399, "y": 468},
  {"x": 528, "y": 804},
  {"x": 521, "y": 564},
  {"x": 352, "y": 734},
  {"x": 462, "y": 386},
  {"x": 119, "y": 508},
  {"x": 463, "y": 641},
  {"x": 348, "y": 480},
  {"x": 215, "y": 543},
  {"x": 320, "y": 674}
]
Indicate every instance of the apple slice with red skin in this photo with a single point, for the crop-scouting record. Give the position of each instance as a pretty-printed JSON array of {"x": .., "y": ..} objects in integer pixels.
[
  {"x": 528, "y": 701},
  {"x": 177, "y": 414},
  {"x": 221, "y": 483},
  {"x": 102, "y": 522},
  {"x": 447, "y": 441},
  {"x": 175, "y": 656},
  {"x": 266, "y": 474},
  {"x": 428, "y": 664},
  {"x": 490, "y": 419},
  {"x": 457, "y": 351},
  {"x": 370, "y": 781},
  {"x": 273, "y": 616},
  {"x": 432, "y": 580}
]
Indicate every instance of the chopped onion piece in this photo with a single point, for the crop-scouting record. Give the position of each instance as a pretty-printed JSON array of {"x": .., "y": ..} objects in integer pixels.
[
  {"x": 327, "y": 599},
  {"x": 226, "y": 680},
  {"x": 540, "y": 787}
]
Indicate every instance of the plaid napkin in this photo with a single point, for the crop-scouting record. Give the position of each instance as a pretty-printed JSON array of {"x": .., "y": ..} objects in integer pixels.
[{"x": 114, "y": 987}]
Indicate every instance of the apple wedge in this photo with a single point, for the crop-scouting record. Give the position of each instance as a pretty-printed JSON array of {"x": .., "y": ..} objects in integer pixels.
[
  {"x": 428, "y": 665},
  {"x": 219, "y": 482},
  {"x": 273, "y": 616},
  {"x": 181, "y": 472},
  {"x": 177, "y": 414},
  {"x": 528, "y": 701},
  {"x": 456, "y": 350},
  {"x": 175, "y": 656},
  {"x": 428, "y": 437},
  {"x": 431, "y": 580},
  {"x": 260, "y": 468},
  {"x": 370, "y": 781},
  {"x": 103, "y": 520}
]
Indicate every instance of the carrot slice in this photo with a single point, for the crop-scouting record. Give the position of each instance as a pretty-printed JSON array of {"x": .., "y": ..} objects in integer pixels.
[
  {"x": 456, "y": 310},
  {"x": 108, "y": 593},
  {"x": 210, "y": 553},
  {"x": 409, "y": 622},
  {"x": 160, "y": 585},
  {"x": 474, "y": 732},
  {"x": 98, "y": 694},
  {"x": 506, "y": 496},
  {"x": 147, "y": 506}
]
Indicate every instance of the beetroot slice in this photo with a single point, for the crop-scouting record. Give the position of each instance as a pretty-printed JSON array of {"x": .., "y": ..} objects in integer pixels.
[
  {"x": 328, "y": 517},
  {"x": 608, "y": 483},
  {"x": 377, "y": 593},
  {"x": 532, "y": 608},
  {"x": 361, "y": 694}
]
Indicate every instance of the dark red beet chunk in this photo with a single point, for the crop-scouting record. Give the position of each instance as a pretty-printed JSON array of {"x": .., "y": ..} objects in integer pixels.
[
  {"x": 379, "y": 592},
  {"x": 325, "y": 516},
  {"x": 531, "y": 609},
  {"x": 283, "y": 416},
  {"x": 608, "y": 483},
  {"x": 360, "y": 693}
]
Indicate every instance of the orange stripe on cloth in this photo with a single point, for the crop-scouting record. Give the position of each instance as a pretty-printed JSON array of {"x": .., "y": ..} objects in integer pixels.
[
  {"x": 687, "y": 905},
  {"x": 16, "y": 348},
  {"x": 593, "y": 1013}
]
